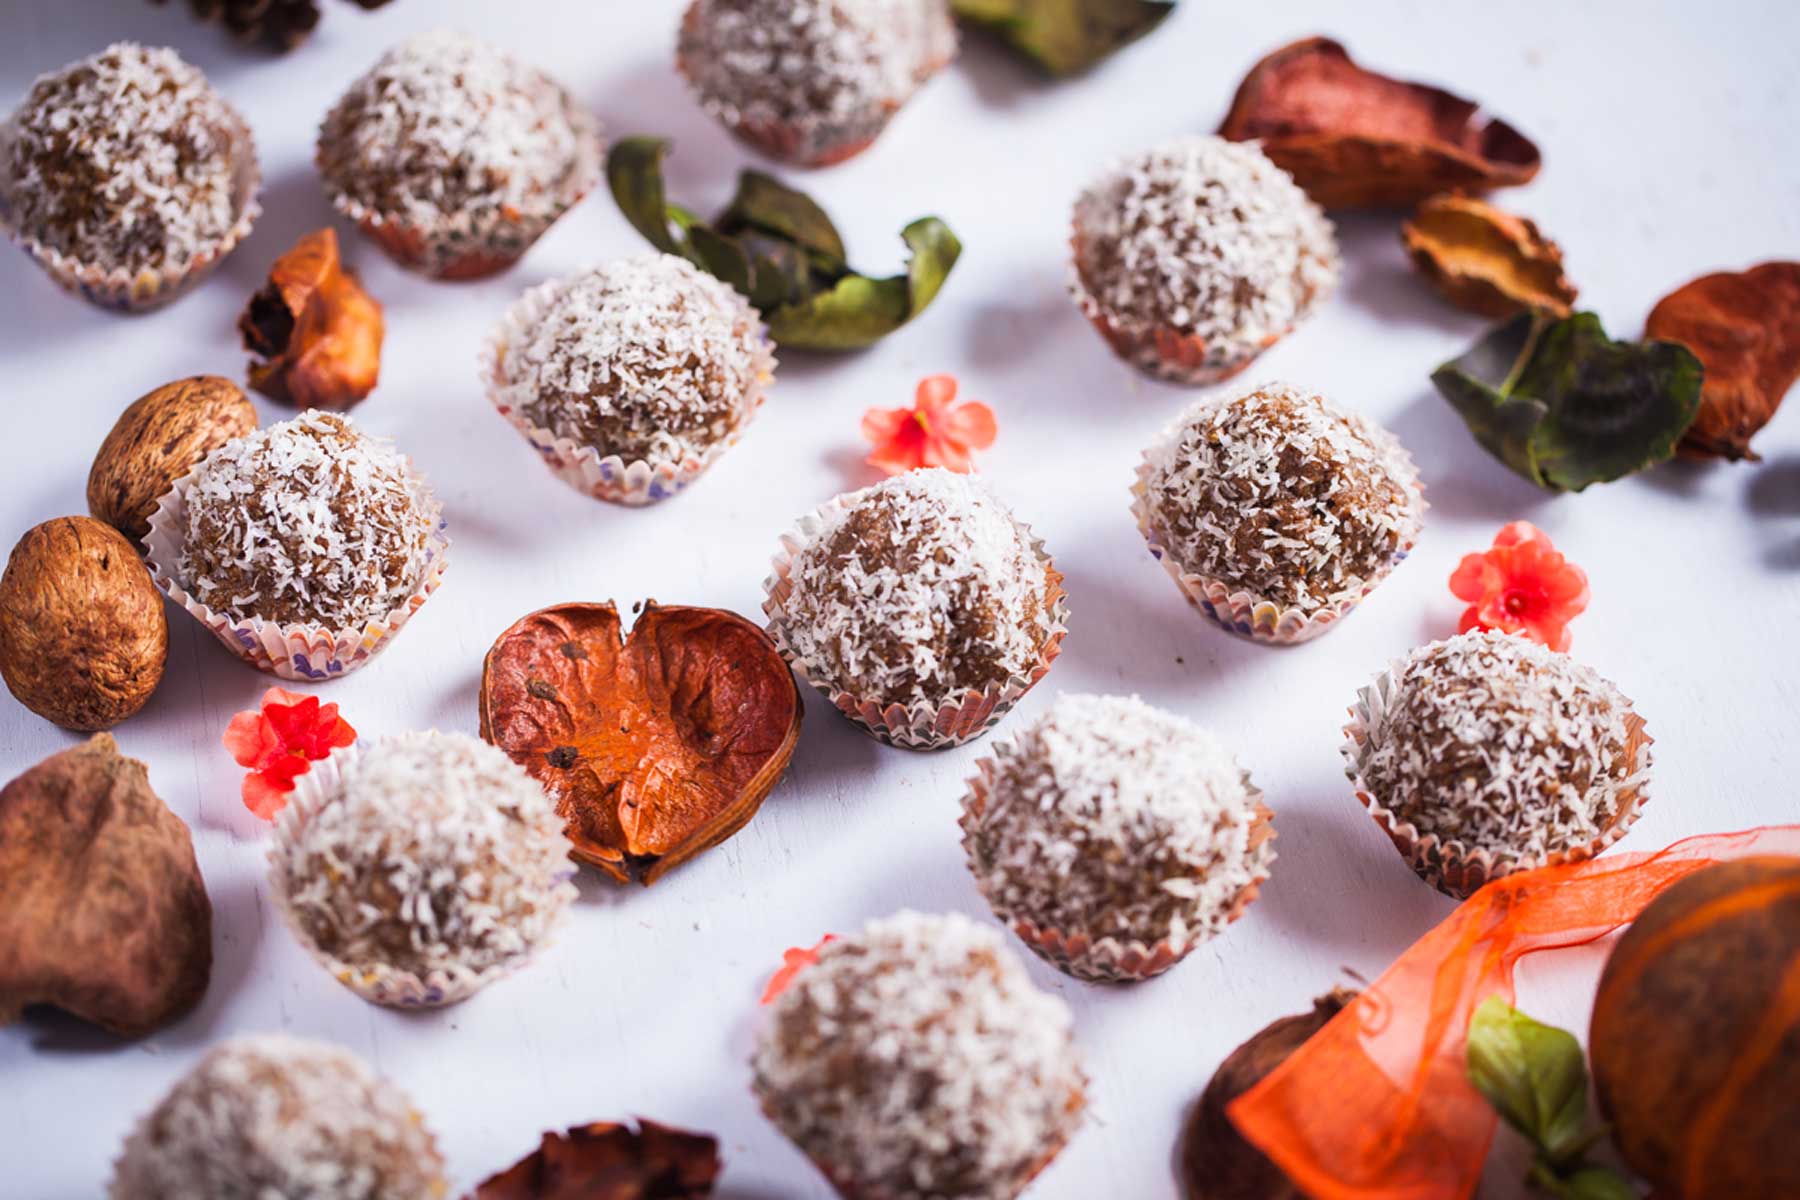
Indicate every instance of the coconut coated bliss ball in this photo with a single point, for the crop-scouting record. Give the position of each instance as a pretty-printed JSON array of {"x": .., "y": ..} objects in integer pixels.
[
  {"x": 1115, "y": 837},
  {"x": 916, "y": 1061},
  {"x": 306, "y": 522},
  {"x": 432, "y": 865},
  {"x": 1194, "y": 257},
  {"x": 274, "y": 1116},
  {"x": 811, "y": 82}
]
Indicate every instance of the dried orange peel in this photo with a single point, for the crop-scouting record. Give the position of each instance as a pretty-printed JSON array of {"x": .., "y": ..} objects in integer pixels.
[
  {"x": 1485, "y": 260},
  {"x": 316, "y": 332}
]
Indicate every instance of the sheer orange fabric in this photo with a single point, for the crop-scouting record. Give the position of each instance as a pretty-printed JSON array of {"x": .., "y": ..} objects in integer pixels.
[{"x": 1376, "y": 1105}]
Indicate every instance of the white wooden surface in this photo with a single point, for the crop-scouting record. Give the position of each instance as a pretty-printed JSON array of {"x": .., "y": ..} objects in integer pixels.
[{"x": 1667, "y": 136}]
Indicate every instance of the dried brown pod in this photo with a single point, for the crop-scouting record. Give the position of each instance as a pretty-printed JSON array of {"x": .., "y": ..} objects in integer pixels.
[
  {"x": 160, "y": 438},
  {"x": 1485, "y": 260},
  {"x": 655, "y": 746},
  {"x": 83, "y": 638},
  {"x": 609, "y": 1161},
  {"x": 1353, "y": 138},
  {"x": 1744, "y": 327},
  {"x": 104, "y": 914},
  {"x": 1695, "y": 1040},
  {"x": 1216, "y": 1163},
  {"x": 315, "y": 328}
]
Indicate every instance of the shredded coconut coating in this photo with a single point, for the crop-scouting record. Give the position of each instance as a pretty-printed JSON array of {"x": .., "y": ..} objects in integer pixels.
[
  {"x": 306, "y": 522},
  {"x": 448, "y": 131},
  {"x": 1207, "y": 238},
  {"x": 917, "y": 1060},
  {"x": 1108, "y": 817},
  {"x": 1280, "y": 492},
  {"x": 834, "y": 70},
  {"x": 272, "y": 1116},
  {"x": 435, "y": 851},
  {"x": 1500, "y": 744},
  {"x": 648, "y": 358},
  {"x": 126, "y": 160},
  {"x": 919, "y": 587}
]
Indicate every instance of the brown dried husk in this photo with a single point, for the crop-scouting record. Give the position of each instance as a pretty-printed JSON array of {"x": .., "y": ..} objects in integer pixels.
[
  {"x": 610, "y": 1161},
  {"x": 656, "y": 746},
  {"x": 1216, "y": 1163},
  {"x": 317, "y": 332},
  {"x": 103, "y": 913},
  {"x": 160, "y": 438},
  {"x": 1485, "y": 260},
  {"x": 1744, "y": 327},
  {"x": 1352, "y": 138},
  {"x": 1695, "y": 1040}
]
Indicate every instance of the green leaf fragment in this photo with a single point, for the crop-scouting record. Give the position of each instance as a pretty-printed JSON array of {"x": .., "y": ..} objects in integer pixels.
[
  {"x": 1065, "y": 37},
  {"x": 1565, "y": 406},
  {"x": 1533, "y": 1074},
  {"x": 1597, "y": 1183}
]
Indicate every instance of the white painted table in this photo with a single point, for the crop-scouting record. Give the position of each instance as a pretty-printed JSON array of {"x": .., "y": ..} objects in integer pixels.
[{"x": 1668, "y": 140}]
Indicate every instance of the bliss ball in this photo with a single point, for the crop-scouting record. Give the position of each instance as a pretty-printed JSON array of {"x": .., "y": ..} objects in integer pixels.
[
  {"x": 309, "y": 521},
  {"x": 271, "y": 1115},
  {"x": 1194, "y": 257},
  {"x": 917, "y": 1060}
]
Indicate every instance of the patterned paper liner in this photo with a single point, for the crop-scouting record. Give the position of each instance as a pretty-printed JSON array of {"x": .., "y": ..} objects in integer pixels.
[
  {"x": 380, "y": 983},
  {"x": 961, "y": 717},
  {"x": 152, "y": 287},
  {"x": 1449, "y": 866},
  {"x": 1235, "y": 609},
  {"x": 453, "y": 248},
  {"x": 606, "y": 477},
  {"x": 308, "y": 653},
  {"x": 1109, "y": 960}
]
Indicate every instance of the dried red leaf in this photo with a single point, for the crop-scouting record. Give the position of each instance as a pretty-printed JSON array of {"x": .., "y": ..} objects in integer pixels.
[
  {"x": 655, "y": 746},
  {"x": 317, "y": 330},
  {"x": 1353, "y": 138},
  {"x": 1744, "y": 327},
  {"x": 607, "y": 1161},
  {"x": 1487, "y": 261}
]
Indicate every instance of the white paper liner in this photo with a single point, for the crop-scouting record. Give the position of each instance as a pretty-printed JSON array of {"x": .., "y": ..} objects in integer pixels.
[
  {"x": 1449, "y": 866},
  {"x": 119, "y": 289},
  {"x": 582, "y": 467},
  {"x": 1111, "y": 959},
  {"x": 965, "y": 714},
  {"x": 307, "y": 653},
  {"x": 381, "y": 984},
  {"x": 1235, "y": 609}
]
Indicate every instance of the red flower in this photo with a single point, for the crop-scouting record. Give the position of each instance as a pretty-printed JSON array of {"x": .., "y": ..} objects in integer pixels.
[
  {"x": 1521, "y": 585},
  {"x": 279, "y": 742},
  {"x": 934, "y": 432},
  {"x": 793, "y": 961}
]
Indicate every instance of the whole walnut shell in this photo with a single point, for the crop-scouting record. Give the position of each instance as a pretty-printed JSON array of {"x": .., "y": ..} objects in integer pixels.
[
  {"x": 83, "y": 637},
  {"x": 160, "y": 438}
]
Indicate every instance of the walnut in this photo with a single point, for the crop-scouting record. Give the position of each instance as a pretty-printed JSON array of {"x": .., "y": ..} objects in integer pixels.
[{"x": 160, "y": 438}]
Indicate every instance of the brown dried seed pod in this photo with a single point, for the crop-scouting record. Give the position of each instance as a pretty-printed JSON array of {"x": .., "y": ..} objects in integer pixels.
[
  {"x": 160, "y": 438},
  {"x": 1485, "y": 260},
  {"x": 610, "y": 1161},
  {"x": 83, "y": 638}
]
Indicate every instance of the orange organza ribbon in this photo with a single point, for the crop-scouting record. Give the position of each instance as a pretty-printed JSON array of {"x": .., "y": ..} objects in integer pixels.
[{"x": 1377, "y": 1105}]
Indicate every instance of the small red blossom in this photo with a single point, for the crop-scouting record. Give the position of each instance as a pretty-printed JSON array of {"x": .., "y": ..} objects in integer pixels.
[
  {"x": 280, "y": 741},
  {"x": 1521, "y": 584},
  {"x": 793, "y": 961},
  {"x": 934, "y": 432}
]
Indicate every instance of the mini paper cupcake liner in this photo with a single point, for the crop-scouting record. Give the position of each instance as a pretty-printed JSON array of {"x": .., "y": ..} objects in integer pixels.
[
  {"x": 308, "y": 653},
  {"x": 1110, "y": 959},
  {"x": 605, "y": 477},
  {"x": 1448, "y": 865},
  {"x": 961, "y": 717},
  {"x": 378, "y": 984},
  {"x": 1234, "y": 608},
  {"x": 124, "y": 291},
  {"x": 458, "y": 247}
]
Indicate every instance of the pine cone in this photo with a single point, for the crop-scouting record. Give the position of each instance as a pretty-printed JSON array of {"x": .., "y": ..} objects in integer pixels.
[{"x": 279, "y": 24}]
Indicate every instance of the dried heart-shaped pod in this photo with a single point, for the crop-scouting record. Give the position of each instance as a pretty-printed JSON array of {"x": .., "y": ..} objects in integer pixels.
[
  {"x": 609, "y": 1161},
  {"x": 1485, "y": 260},
  {"x": 655, "y": 746},
  {"x": 1744, "y": 327},
  {"x": 1353, "y": 138},
  {"x": 317, "y": 331}
]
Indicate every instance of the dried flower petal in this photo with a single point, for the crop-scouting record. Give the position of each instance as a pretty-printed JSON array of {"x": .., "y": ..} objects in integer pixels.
[
  {"x": 1485, "y": 260},
  {"x": 279, "y": 741},
  {"x": 934, "y": 432},
  {"x": 609, "y": 1161},
  {"x": 1353, "y": 138},
  {"x": 1521, "y": 585},
  {"x": 793, "y": 961},
  {"x": 317, "y": 330},
  {"x": 1745, "y": 329},
  {"x": 1065, "y": 37}
]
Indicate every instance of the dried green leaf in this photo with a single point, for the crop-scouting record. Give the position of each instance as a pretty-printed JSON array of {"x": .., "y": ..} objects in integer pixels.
[
  {"x": 858, "y": 310},
  {"x": 1065, "y": 37},
  {"x": 1533, "y": 1074},
  {"x": 1596, "y": 1183},
  {"x": 1565, "y": 406}
]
